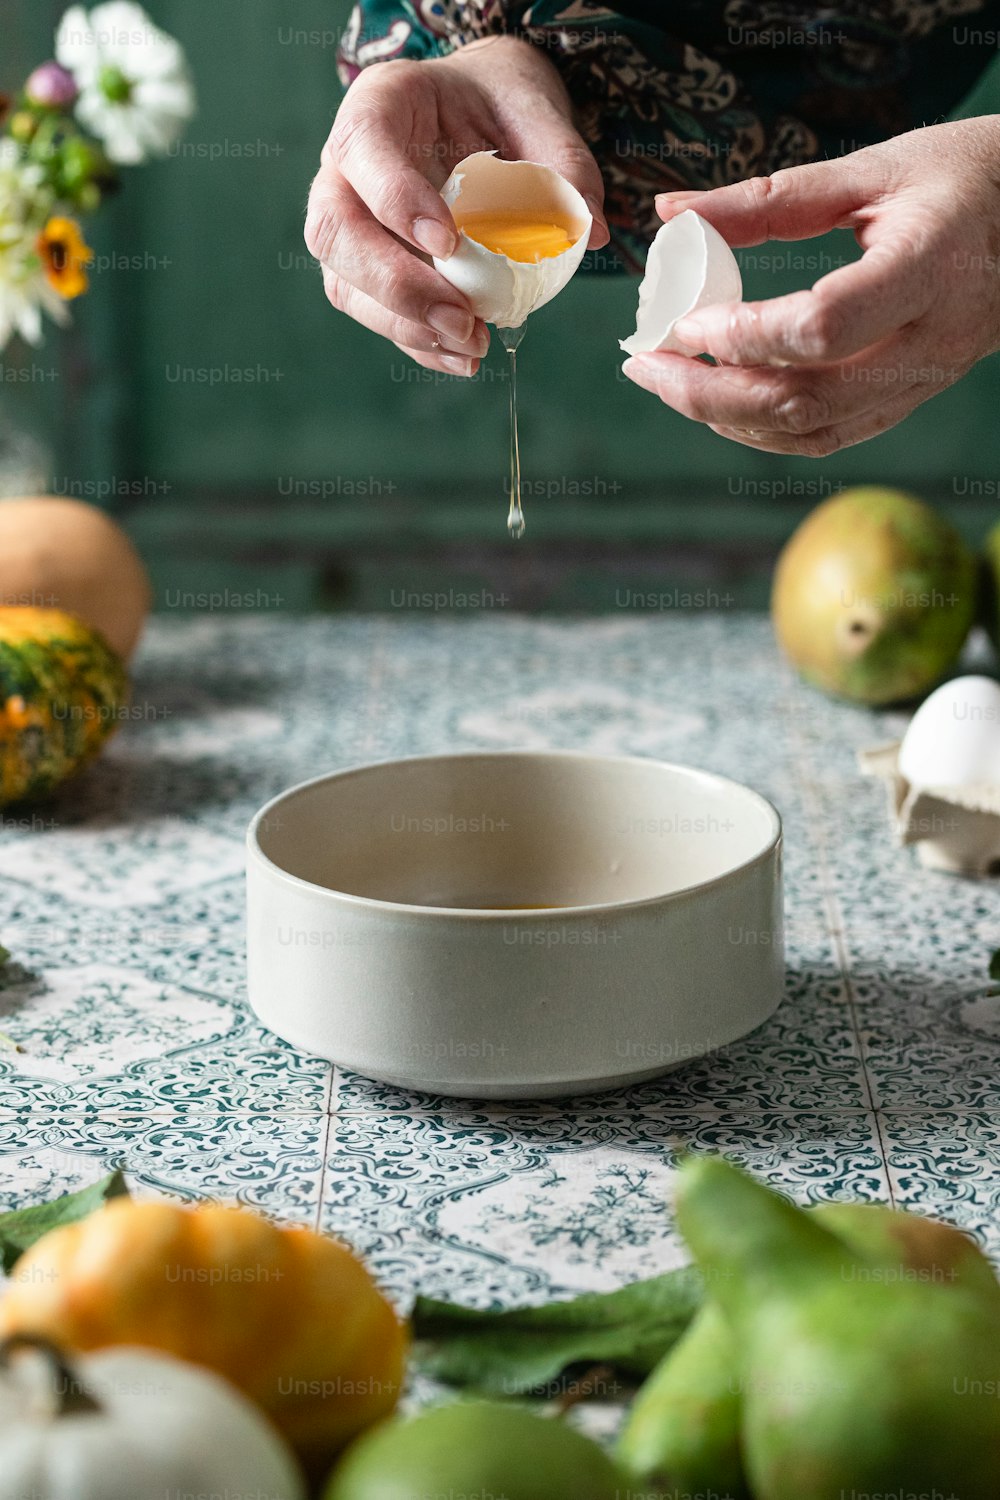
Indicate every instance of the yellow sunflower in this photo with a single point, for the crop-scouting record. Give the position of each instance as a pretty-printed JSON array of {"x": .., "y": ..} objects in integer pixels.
[{"x": 64, "y": 254}]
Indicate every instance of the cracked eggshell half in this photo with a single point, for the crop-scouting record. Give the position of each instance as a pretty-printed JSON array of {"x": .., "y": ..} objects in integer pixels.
[
  {"x": 953, "y": 738},
  {"x": 502, "y": 291},
  {"x": 689, "y": 265}
]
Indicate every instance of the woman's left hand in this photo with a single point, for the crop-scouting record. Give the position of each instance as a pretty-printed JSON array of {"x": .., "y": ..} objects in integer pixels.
[{"x": 818, "y": 370}]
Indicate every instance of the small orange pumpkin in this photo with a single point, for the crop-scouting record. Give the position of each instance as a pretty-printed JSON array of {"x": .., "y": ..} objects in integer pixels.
[{"x": 290, "y": 1317}]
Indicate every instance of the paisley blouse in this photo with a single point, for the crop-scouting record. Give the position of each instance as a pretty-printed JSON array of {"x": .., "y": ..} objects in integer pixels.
[{"x": 701, "y": 93}]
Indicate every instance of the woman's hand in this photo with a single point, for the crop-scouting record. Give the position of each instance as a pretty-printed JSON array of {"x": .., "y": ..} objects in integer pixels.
[
  {"x": 821, "y": 369},
  {"x": 375, "y": 212}
]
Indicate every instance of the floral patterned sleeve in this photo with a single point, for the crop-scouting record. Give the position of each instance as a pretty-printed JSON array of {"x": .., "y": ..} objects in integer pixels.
[
  {"x": 382, "y": 29},
  {"x": 700, "y": 93}
]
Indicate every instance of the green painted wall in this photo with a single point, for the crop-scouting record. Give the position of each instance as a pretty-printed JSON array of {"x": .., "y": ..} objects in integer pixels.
[{"x": 210, "y": 371}]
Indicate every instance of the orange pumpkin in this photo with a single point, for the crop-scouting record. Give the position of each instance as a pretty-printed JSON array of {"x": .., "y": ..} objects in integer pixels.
[
  {"x": 292, "y": 1318},
  {"x": 71, "y": 556}
]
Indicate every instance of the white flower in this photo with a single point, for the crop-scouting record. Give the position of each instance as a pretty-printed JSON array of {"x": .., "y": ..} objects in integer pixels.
[
  {"x": 24, "y": 295},
  {"x": 24, "y": 198},
  {"x": 136, "y": 93},
  {"x": 25, "y": 292}
]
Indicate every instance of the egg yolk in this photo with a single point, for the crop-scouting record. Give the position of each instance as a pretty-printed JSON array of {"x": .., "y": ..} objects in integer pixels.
[{"x": 519, "y": 236}]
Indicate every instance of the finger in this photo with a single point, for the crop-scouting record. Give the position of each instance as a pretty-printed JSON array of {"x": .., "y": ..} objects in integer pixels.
[
  {"x": 368, "y": 146},
  {"x": 535, "y": 117},
  {"x": 827, "y": 440},
  {"x": 345, "y": 238},
  {"x": 669, "y": 205},
  {"x": 371, "y": 314},
  {"x": 447, "y": 364},
  {"x": 793, "y": 399},
  {"x": 554, "y": 143},
  {"x": 794, "y": 203},
  {"x": 848, "y": 310}
]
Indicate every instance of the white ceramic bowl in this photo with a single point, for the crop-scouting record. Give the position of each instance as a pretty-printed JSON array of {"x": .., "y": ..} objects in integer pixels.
[{"x": 387, "y": 928}]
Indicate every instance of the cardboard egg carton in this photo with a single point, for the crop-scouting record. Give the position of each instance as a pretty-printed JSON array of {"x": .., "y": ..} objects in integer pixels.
[{"x": 955, "y": 828}]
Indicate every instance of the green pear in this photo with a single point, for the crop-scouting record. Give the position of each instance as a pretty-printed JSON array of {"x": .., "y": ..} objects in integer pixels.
[
  {"x": 481, "y": 1449},
  {"x": 858, "y": 1373},
  {"x": 905, "y": 1246},
  {"x": 874, "y": 595},
  {"x": 683, "y": 1430}
]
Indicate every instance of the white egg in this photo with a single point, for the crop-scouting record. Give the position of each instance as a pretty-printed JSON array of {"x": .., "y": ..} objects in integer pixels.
[
  {"x": 500, "y": 290},
  {"x": 689, "y": 265},
  {"x": 953, "y": 738}
]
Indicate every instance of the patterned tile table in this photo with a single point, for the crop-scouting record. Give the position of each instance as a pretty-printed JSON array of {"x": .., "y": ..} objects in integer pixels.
[{"x": 122, "y": 903}]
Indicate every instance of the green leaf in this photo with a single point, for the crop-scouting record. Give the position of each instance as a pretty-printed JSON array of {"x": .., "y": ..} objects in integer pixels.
[
  {"x": 995, "y": 965},
  {"x": 19, "y": 1230},
  {"x": 525, "y": 1350},
  {"x": 4, "y": 955}
]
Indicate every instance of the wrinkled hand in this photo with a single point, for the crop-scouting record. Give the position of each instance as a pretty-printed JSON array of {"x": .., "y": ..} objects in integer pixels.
[
  {"x": 871, "y": 340},
  {"x": 375, "y": 213}
]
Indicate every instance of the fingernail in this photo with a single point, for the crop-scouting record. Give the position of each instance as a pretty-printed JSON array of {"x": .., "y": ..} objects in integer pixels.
[
  {"x": 597, "y": 210},
  {"x": 456, "y": 365},
  {"x": 451, "y": 322},
  {"x": 689, "y": 331},
  {"x": 475, "y": 348},
  {"x": 678, "y": 193},
  {"x": 641, "y": 372},
  {"x": 433, "y": 237}
]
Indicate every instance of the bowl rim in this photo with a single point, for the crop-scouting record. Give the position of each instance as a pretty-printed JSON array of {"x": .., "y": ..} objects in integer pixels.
[{"x": 492, "y": 913}]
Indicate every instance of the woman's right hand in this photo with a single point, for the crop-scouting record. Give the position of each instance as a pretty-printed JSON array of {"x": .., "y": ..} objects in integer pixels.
[{"x": 375, "y": 213}]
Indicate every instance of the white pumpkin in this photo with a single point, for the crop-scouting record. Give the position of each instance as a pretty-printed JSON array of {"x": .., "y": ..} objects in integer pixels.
[{"x": 126, "y": 1424}]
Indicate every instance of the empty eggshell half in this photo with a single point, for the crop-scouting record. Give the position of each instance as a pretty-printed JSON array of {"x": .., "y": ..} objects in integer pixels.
[
  {"x": 953, "y": 738},
  {"x": 500, "y": 290},
  {"x": 689, "y": 265}
]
